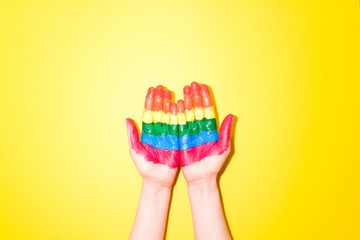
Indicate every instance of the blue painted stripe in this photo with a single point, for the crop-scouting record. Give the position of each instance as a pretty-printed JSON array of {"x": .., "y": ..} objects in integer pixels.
[
  {"x": 169, "y": 142},
  {"x": 189, "y": 141}
]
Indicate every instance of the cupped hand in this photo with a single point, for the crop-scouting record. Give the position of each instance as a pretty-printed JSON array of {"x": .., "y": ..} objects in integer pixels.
[
  {"x": 202, "y": 150},
  {"x": 156, "y": 156}
]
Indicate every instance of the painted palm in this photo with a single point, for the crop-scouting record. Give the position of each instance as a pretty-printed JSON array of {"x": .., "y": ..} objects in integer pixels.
[
  {"x": 156, "y": 156},
  {"x": 202, "y": 150},
  {"x": 186, "y": 132},
  {"x": 159, "y": 128}
]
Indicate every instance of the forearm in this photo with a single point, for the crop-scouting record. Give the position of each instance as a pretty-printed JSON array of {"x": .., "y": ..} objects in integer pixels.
[
  {"x": 152, "y": 212},
  {"x": 207, "y": 212}
]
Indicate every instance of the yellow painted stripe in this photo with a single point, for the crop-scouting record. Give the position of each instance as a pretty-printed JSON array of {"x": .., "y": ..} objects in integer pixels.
[
  {"x": 181, "y": 118},
  {"x": 189, "y": 115},
  {"x": 199, "y": 113},
  {"x": 157, "y": 116},
  {"x": 209, "y": 112},
  {"x": 148, "y": 116},
  {"x": 165, "y": 118},
  {"x": 173, "y": 119}
]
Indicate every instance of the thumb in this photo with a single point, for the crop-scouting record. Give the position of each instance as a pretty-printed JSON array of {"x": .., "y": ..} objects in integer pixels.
[
  {"x": 225, "y": 130},
  {"x": 133, "y": 135}
]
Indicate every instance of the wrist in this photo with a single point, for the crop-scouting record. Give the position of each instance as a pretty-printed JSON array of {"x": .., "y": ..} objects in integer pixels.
[
  {"x": 153, "y": 187},
  {"x": 202, "y": 185}
]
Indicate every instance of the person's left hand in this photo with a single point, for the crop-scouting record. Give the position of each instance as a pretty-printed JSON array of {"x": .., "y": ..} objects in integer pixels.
[
  {"x": 202, "y": 150},
  {"x": 156, "y": 156}
]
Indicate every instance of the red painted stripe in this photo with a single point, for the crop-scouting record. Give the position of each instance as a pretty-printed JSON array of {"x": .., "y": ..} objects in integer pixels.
[
  {"x": 149, "y": 100},
  {"x": 161, "y": 156},
  {"x": 167, "y": 101},
  {"x": 159, "y": 95},
  {"x": 188, "y": 98},
  {"x": 173, "y": 109},
  {"x": 196, "y": 98},
  {"x": 196, "y": 154},
  {"x": 206, "y": 97},
  {"x": 181, "y": 106}
]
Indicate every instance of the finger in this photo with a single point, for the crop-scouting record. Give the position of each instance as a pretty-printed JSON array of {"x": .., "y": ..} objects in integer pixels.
[
  {"x": 189, "y": 113},
  {"x": 133, "y": 135},
  {"x": 197, "y": 101},
  {"x": 209, "y": 110},
  {"x": 148, "y": 114},
  {"x": 173, "y": 126},
  {"x": 166, "y": 107},
  {"x": 158, "y": 104},
  {"x": 181, "y": 112},
  {"x": 225, "y": 130},
  {"x": 173, "y": 116}
]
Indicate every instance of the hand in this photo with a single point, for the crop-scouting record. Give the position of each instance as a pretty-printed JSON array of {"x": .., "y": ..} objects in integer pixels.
[
  {"x": 202, "y": 154},
  {"x": 202, "y": 150},
  {"x": 157, "y": 155}
]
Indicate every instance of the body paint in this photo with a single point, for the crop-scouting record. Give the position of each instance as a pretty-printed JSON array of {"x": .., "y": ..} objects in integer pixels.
[
  {"x": 189, "y": 141},
  {"x": 190, "y": 126},
  {"x": 160, "y": 129},
  {"x": 198, "y": 137},
  {"x": 168, "y": 158},
  {"x": 149, "y": 100},
  {"x": 160, "y": 132},
  {"x": 199, "y": 131},
  {"x": 195, "y": 92},
  {"x": 209, "y": 112},
  {"x": 168, "y": 142},
  {"x": 160, "y": 135},
  {"x": 158, "y": 103},
  {"x": 151, "y": 154},
  {"x": 195, "y": 154},
  {"x": 195, "y": 127},
  {"x": 181, "y": 112},
  {"x": 148, "y": 116}
]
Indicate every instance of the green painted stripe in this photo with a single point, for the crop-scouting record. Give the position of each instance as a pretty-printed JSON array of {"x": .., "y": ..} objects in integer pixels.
[
  {"x": 195, "y": 127},
  {"x": 190, "y": 128},
  {"x": 160, "y": 129}
]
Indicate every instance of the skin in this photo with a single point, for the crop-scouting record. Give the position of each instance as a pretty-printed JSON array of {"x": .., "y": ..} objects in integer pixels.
[
  {"x": 158, "y": 124},
  {"x": 199, "y": 97},
  {"x": 157, "y": 167},
  {"x": 200, "y": 164},
  {"x": 200, "y": 167}
]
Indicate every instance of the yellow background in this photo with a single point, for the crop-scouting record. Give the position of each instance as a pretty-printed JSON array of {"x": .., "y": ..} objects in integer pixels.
[{"x": 72, "y": 71}]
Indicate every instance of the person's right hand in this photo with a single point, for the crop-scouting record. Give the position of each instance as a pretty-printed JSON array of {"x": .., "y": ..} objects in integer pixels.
[{"x": 156, "y": 156}]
